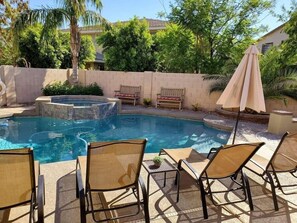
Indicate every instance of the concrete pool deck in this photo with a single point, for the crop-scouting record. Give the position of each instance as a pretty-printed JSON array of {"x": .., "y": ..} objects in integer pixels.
[{"x": 62, "y": 205}]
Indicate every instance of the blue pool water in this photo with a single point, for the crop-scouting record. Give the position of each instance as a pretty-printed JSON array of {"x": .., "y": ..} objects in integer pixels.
[
  {"x": 57, "y": 139},
  {"x": 76, "y": 102}
]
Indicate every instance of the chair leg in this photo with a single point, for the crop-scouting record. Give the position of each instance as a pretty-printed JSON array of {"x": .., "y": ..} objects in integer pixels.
[
  {"x": 272, "y": 191},
  {"x": 248, "y": 190},
  {"x": 76, "y": 180},
  {"x": 31, "y": 215},
  {"x": 145, "y": 200},
  {"x": 203, "y": 199},
  {"x": 82, "y": 202},
  {"x": 40, "y": 199}
]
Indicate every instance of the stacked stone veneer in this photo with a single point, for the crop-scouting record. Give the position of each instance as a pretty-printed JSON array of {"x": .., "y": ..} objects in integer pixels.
[{"x": 108, "y": 107}]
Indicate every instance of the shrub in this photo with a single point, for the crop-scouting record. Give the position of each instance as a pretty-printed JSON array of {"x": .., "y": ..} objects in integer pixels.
[
  {"x": 147, "y": 101},
  {"x": 195, "y": 107},
  {"x": 65, "y": 88}
]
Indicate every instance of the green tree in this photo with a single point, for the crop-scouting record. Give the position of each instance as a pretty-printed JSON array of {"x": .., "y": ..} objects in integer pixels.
[
  {"x": 69, "y": 11},
  {"x": 218, "y": 26},
  {"x": 38, "y": 54},
  {"x": 87, "y": 52},
  {"x": 279, "y": 64},
  {"x": 289, "y": 46},
  {"x": 128, "y": 47},
  {"x": 278, "y": 80},
  {"x": 55, "y": 52},
  {"x": 9, "y": 10},
  {"x": 175, "y": 49}
]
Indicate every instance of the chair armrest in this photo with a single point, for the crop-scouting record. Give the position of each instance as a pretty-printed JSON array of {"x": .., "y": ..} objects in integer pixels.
[
  {"x": 212, "y": 150},
  {"x": 40, "y": 199},
  {"x": 117, "y": 91},
  {"x": 145, "y": 198},
  {"x": 181, "y": 161},
  {"x": 260, "y": 169},
  {"x": 81, "y": 195},
  {"x": 142, "y": 186}
]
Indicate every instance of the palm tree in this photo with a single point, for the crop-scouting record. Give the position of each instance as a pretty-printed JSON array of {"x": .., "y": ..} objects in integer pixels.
[
  {"x": 275, "y": 87},
  {"x": 70, "y": 11},
  {"x": 279, "y": 84}
]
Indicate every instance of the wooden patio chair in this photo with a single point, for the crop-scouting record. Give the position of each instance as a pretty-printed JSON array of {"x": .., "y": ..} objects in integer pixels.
[
  {"x": 19, "y": 175},
  {"x": 283, "y": 160},
  {"x": 111, "y": 166},
  {"x": 227, "y": 162}
]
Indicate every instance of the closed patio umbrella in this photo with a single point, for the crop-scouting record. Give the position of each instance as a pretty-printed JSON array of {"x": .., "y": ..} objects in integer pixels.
[{"x": 244, "y": 89}]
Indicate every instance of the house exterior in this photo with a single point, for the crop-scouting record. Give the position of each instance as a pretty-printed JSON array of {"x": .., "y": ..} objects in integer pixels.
[
  {"x": 154, "y": 25},
  {"x": 273, "y": 38}
]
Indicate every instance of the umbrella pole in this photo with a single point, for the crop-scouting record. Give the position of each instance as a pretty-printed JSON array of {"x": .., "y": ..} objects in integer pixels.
[{"x": 235, "y": 130}]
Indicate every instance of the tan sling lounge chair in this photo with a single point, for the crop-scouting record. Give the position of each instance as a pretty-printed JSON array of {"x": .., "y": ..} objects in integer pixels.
[
  {"x": 227, "y": 162},
  {"x": 18, "y": 173},
  {"x": 283, "y": 160},
  {"x": 111, "y": 166}
]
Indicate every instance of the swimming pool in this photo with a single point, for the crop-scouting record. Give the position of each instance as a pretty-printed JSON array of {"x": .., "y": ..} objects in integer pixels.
[{"x": 56, "y": 140}]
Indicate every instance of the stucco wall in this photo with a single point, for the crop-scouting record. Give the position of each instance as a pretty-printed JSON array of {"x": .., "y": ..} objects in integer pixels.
[
  {"x": 290, "y": 105},
  {"x": 197, "y": 90},
  {"x": 110, "y": 81},
  {"x": 24, "y": 85},
  {"x": 151, "y": 83}
]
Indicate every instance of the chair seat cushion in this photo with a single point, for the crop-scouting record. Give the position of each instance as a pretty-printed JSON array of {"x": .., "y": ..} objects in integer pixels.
[
  {"x": 125, "y": 95},
  {"x": 170, "y": 98}
]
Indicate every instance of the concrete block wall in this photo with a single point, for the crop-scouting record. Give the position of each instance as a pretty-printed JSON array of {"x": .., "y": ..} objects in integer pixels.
[
  {"x": 151, "y": 83},
  {"x": 24, "y": 85}
]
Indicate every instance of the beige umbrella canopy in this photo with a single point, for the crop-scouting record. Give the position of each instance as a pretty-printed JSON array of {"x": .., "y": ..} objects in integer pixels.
[{"x": 244, "y": 89}]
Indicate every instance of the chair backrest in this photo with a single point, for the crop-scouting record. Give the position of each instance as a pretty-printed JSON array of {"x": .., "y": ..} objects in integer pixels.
[
  {"x": 230, "y": 159},
  {"x": 17, "y": 176},
  {"x": 114, "y": 165},
  {"x": 284, "y": 157},
  {"x": 125, "y": 89},
  {"x": 172, "y": 92}
]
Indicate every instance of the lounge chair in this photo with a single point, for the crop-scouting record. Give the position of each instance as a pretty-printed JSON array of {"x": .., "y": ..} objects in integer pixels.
[
  {"x": 18, "y": 174},
  {"x": 111, "y": 166},
  {"x": 227, "y": 162},
  {"x": 283, "y": 160}
]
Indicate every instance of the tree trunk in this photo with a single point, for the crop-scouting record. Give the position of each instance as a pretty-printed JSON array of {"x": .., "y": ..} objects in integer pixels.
[{"x": 75, "y": 48}]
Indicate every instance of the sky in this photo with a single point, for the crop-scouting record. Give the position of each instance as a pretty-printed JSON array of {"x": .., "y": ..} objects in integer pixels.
[{"x": 123, "y": 10}]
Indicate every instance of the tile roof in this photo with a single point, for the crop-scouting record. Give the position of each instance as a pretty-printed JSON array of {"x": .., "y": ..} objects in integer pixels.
[{"x": 153, "y": 24}]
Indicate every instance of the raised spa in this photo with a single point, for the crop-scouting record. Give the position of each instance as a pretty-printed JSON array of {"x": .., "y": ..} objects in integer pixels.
[{"x": 77, "y": 106}]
